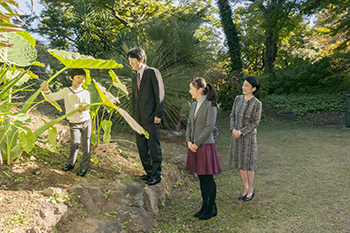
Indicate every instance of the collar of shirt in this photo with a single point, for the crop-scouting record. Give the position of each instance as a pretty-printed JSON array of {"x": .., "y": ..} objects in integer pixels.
[
  {"x": 76, "y": 90},
  {"x": 141, "y": 71}
]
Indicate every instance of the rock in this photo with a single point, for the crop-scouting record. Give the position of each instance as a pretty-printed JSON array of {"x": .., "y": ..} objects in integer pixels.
[
  {"x": 35, "y": 229},
  {"x": 179, "y": 161},
  {"x": 48, "y": 215},
  {"x": 90, "y": 195},
  {"x": 161, "y": 189},
  {"x": 121, "y": 198},
  {"x": 50, "y": 191},
  {"x": 140, "y": 217},
  {"x": 126, "y": 193},
  {"x": 124, "y": 176},
  {"x": 151, "y": 200},
  {"x": 171, "y": 175},
  {"x": 90, "y": 225}
]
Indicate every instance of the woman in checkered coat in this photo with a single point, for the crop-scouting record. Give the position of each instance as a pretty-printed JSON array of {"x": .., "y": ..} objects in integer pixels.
[{"x": 245, "y": 118}]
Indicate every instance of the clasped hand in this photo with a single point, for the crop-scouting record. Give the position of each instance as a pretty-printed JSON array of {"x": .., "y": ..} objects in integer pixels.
[
  {"x": 193, "y": 147},
  {"x": 236, "y": 133}
]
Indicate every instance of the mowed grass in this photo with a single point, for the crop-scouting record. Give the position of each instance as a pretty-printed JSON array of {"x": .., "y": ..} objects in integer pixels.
[{"x": 301, "y": 185}]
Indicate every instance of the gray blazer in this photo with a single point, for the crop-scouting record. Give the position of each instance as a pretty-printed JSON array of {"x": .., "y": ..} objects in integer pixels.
[{"x": 200, "y": 127}]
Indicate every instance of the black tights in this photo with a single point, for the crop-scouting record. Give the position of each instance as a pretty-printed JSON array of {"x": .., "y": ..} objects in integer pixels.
[{"x": 208, "y": 188}]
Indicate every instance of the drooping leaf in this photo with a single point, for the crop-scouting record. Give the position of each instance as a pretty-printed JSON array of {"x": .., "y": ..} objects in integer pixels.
[
  {"x": 133, "y": 124},
  {"x": 118, "y": 84},
  {"x": 87, "y": 79},
  {"x": 94, "y": 97},
  {"x": 76, "y": 60}
]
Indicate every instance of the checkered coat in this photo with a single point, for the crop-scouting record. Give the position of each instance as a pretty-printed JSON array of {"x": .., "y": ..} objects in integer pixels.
[{"x": 245, "y": 116}]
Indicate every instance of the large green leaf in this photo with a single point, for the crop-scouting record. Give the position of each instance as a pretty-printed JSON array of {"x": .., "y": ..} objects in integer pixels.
[
  {"x": 133, "y": 124},
  {"x": 76, "y": 60},
  {"x": 27, "y": 140},
  {"x": 21, "y": 54}
]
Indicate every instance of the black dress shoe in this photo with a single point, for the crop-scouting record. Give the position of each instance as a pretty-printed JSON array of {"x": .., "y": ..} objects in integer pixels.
[
  {"x": 144, "y": 177},
  {"x": 242, "y": 197},
  {"x": 249, "y": 198},
  {"x": 81, "y": 172},
  {"x": 67, "y": 167},
  {"x": 152, "y": 181}
]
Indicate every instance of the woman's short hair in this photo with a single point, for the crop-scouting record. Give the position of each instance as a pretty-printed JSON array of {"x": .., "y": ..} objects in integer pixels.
[{"x": 254, "y": 82}]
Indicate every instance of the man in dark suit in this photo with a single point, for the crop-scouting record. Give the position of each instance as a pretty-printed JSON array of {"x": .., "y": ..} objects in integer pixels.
[{"x": 148, "y": 105}]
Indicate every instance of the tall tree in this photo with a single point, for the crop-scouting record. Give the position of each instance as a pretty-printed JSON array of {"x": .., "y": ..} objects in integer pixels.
[
  {"x": 231, "y": 35},
  {"x": 336, "y": 18},
  {"x": 277, "y": 15}
]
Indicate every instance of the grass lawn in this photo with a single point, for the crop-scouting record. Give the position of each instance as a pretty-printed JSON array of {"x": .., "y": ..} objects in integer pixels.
[{"x": 301, "y": 184}]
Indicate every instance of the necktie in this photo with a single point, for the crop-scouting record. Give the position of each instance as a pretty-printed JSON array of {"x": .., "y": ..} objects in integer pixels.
[{"x": 138, "y": 81}]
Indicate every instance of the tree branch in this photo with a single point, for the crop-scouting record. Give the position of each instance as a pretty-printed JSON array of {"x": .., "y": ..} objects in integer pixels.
[{"x": 115, "y": 14}]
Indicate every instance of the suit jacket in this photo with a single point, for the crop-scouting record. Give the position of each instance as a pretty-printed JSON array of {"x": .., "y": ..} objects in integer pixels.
[
  {"x": 200, "y": 127},
  {"x": 149, "y": 100}
]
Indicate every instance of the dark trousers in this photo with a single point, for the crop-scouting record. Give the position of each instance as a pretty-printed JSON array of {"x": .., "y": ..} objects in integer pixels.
[
  {"x": 78, "y": 131},
  {"x": 150, "y": 151}
]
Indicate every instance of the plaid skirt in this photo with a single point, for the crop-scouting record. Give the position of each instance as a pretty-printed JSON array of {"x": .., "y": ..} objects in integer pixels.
[{"x": 205, "y": 161}]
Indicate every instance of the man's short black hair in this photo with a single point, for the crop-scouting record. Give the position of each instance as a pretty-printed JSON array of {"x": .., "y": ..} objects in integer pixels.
[
  {"x": 74, "y": 72},
  {"x": 137, "y": 53}
]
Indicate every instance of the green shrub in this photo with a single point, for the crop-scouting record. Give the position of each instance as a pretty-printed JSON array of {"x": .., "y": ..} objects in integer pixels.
[{"x": 302, "y": 104}]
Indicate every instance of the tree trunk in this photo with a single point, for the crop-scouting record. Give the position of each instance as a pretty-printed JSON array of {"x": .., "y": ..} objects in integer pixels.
[
  {"x": 231, "y": 35},
  {"x": 270, "y": 50}
]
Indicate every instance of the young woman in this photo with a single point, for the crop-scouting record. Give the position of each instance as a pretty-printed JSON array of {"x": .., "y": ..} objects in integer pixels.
[
  {"x": 202, "y": 158},
  {"x": 245, "y": 118}
]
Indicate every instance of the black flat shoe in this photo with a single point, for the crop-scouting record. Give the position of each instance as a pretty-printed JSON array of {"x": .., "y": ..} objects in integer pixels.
[
  {"x": 81, "y": 172},
  {"x": 67, "y": 167},
  {"x": 249, "y": 198},
  {"x": 241, "y": 198},
  {"x": 153, "y": 181},
  {"x": 144, "y": 177}
]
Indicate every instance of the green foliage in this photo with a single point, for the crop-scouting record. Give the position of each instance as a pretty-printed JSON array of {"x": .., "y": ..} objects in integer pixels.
[
  {"x": 330, "y": 74},
  {"x": 227, "y": 87},
  {"x": 337, "y": 18},
  {"x": 231, "y": 33},
  {"x": 302, "y": 104}
]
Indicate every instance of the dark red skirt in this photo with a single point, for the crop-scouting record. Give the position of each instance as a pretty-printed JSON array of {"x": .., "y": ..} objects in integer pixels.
[{"x": 205, "y": 161}]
